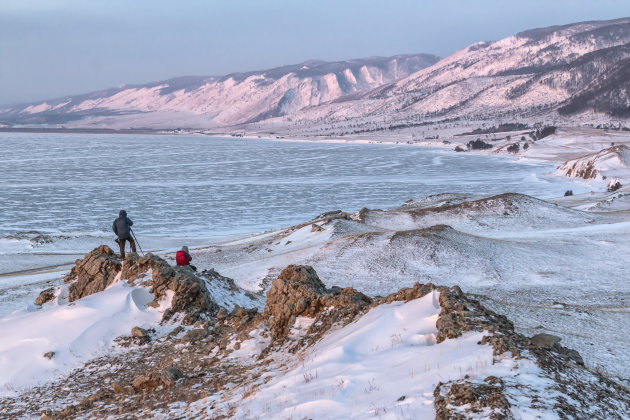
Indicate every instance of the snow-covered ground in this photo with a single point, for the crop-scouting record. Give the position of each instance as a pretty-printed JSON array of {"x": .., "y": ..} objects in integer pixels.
[
  {"x": 74, "y": 333},
  {"x": 557, "y": 266},
  {"x": 552, "y": 268},
  {"x": 385, "y": 365}
]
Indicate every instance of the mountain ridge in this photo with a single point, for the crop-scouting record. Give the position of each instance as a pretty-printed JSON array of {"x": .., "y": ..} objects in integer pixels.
[
  {"x": 280, "y": 91},
  {"x": 571, "y": 73}
]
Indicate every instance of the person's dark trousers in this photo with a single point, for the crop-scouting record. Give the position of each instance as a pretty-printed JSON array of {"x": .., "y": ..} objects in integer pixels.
[{"x": 121, "y": 243}]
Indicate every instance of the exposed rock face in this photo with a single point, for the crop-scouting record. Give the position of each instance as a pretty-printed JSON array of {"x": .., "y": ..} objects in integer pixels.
[
  {"x": 93, "y": 273},
  {"x": 544, "y": 340},
  {"x": 316, "y": 228},
  {"x": 298, "y": 291},
  {"x": 191, "y": 295},
  {"x": 46, "y": 295},
  {"x": 102, "y": 267}
]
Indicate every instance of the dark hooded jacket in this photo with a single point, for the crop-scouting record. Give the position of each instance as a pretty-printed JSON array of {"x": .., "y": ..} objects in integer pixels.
[{"x": 122, "y": 226}]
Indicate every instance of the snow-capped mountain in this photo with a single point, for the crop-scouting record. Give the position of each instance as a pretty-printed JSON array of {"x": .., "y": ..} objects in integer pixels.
[
  {"x": 552, "y": 72},
  {"x": 221, "y": 101},
  {"x": 560, "y": 72}
]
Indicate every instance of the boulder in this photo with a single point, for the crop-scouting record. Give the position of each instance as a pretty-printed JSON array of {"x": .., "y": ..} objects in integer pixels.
[
  {"x": 170, "y": 376},
  {"x": 191, "y": 296},
  {"x": 45, "y": 296},
  {"x": 166, "y": 378},
  {"x": 613, "y": 185},
  {"x": 49, "y": 355},
  {"x": 97, "y": 270},
  {"x": 141, "y": 333},
  {"x": 194, "y": 335},
  {"x": 544, "y": 340},
  {"x": 464, "y": 399},
  {"x": 145, "y": 381},
  {"x": 298, "y": 291}
]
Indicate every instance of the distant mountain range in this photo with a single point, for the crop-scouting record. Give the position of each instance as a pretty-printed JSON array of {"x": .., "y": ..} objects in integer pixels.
[
  {"x": 572, "y": 72},
  {"x": 219, "y": 101}
]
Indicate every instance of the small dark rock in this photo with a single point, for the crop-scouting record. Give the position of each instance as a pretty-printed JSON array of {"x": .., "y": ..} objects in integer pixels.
[
  {"x": 139, "y": 333},
  {"x": 195, "y": 335},
  {"x": 544, "y": 340},
  {"x": 170, "y": 376},
  {"x": 45, "y": 296},
  {"x": 316, "y": 228},
  {"x": 49, "y": 355}
]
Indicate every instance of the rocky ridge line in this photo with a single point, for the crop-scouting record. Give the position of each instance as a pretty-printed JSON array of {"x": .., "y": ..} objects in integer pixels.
[{"x": 190, "y": 364}]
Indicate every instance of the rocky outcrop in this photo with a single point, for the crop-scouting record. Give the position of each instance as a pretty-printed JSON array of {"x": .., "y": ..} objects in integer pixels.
[
  {"x": 97, "y": 270},
  {"x": 145, "y": 379},
  {"x": 46, "y": 295},
  {"x": 166, "y": 378},
  {"x": 101, "y": 267},
  {"x": 591, "y": 166},
  {"x": 613, "y": 185},
  {"x": 190, "y": 294},
  {"x": 298, "y": 291}
]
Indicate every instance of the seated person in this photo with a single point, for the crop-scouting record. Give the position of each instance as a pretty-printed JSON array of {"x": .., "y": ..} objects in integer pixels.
[{"x": 183, "y": 258}]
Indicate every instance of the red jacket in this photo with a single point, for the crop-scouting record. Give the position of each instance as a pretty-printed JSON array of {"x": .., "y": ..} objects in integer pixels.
[{"x": 182, "y": 258}]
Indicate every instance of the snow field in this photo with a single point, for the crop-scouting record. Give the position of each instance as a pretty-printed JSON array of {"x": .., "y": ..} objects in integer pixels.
[
  {"x": 384, "y": 365},
  {"x": 75, "y": 332}
]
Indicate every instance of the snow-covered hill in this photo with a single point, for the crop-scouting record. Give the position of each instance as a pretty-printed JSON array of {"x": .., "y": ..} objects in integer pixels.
[
  {"x": 221, "y": 101},
  {"x": 371, "y": 338},
  {"x": 613, "y": 160},
  {"x": 530, "y": 75}
]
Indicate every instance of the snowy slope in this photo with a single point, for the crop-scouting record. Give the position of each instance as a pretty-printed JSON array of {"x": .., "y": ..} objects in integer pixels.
[
  {"x": 612, "y": 160},
  {"x": 528, "y": 76},
  {"x": 385, "y": 365},
  {"x": 74, "y": 333},
  {"x": 221, "y": 101},
  {"x": 524, "y": 252},
  {"x": 575, "y": 72}
]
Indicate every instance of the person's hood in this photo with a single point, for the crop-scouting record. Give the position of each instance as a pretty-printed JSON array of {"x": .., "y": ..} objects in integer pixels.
[{"x": 122, "y": 213}]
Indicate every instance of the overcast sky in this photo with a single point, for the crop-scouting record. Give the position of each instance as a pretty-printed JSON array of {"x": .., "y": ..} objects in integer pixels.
[{"x": 53, "y": 48}]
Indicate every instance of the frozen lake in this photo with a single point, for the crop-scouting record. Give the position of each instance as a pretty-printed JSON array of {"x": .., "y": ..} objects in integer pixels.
[{"x": 61, "y": 192}]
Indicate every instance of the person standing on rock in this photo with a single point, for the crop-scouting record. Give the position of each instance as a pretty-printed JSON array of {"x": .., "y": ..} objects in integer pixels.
[
  {"x": 122, "y": 228},
  {"x": 183, "y": 258}
]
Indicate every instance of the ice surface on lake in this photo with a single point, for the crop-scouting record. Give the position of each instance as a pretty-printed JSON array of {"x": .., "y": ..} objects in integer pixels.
[{"x": 61, "y": 192}]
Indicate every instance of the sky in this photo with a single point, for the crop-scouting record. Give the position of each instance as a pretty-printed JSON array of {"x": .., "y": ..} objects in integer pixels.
[{"x": 54, "y": 48}]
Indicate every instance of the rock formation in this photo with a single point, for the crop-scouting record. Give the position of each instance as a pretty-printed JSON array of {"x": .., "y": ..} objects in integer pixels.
[
  {"x": 298, "y": 291},
  {"x": 188, "y": 365},
  {"x": 101, "y": 267},
  {"x": 97, "y": 270}
]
